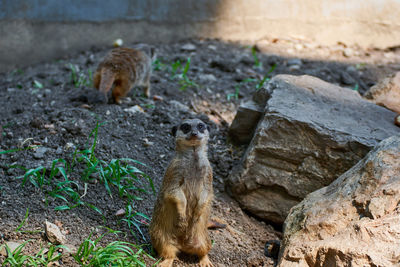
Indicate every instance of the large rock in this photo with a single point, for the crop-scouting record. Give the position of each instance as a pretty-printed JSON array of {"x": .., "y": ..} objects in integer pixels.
[
  {"x": 355, "y": 221},
  {"x": 386, "y": 93},
  {"x": 310, "y": 133}
]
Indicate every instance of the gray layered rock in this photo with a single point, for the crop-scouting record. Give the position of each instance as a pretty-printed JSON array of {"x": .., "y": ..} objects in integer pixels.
[
  {"x": 310, "y": 132},
  {"x": 352, "y": 222}
]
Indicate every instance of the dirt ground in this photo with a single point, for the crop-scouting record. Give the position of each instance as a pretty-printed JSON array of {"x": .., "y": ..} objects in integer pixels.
[{"x": 41, "y": 106}]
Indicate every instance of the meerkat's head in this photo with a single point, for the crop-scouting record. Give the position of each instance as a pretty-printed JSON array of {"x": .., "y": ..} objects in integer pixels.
[{"x": 191, "y": 133}]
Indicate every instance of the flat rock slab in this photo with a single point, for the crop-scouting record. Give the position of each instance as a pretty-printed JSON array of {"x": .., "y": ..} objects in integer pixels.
[{"x": 310, "y": 133}]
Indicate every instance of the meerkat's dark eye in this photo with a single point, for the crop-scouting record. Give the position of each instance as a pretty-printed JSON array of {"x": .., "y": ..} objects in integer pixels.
[
  {"x": 201, "y": 127},
  {"x": 185, "y": 128}
]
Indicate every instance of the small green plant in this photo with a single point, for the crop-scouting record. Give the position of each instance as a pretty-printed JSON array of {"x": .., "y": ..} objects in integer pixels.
[
  {"x": 175, "y": 66},
  {"x": 158, "y": 65},
  {"x": 117, "y": 253},
  {"x": 266, "y": 77},
  {"x": 43, "y": 258},
  {"x": 122, "y": 174},
  {"x": 257, "y": 62},
  {"x": 356, "y": 87},
  {"x": 79, "y": 78},
  {"x": 184, "y": 80},
  {"x": 235, "y": 95},
  {"x": 260, "y": 83},
  {"x": 23, "y": 221}
]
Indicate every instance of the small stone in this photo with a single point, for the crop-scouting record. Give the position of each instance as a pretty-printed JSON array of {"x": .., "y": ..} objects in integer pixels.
[
  {"x": 69, "y": 146},
  {"x": 294, "y": 61},
  {"x": 40, "y": 151},
  {"x": 346, "y": 79},
  {"x": 59, "y": 150},
  {"x": 86, "y": 106},
  {"x": 207, "y": 77},
  {"x": 10, "y": 90},
  {"x": 294, "y": 67},
  {"x": 188, "y": 47},
  {"x": 120, "y": 213},
  {"x": 54, "y": 234},
  {"x": 108, "y": 112},
  {"x": 147, "y": 143},
  {"x": 397, "y": 120},
  {"x": 299, "y": 47},
  {"x": 49, "y": 126},
  {"x": 348, "y": 52},
  {"x": 71, "y": 248},
  {"x": 157, "y": 98},
  {"x": 178, "y": 105},
  {"x": 212, "y": 47},
  {"x": 11, "y": 245},
  {"x": 118, "y": 42},
  {"x": 134, "y": 109}
]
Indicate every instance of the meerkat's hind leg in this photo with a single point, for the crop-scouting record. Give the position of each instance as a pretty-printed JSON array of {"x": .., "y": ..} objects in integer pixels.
[
  {"x": 121, "y": 88},
  {"x": 205, "y": 262},
  {"x": 168, "y": 253},
  {"x": 96, "y": 80}
]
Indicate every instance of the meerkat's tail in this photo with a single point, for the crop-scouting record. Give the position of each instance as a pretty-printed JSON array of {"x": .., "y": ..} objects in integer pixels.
[{"x": 107, "y": 80}]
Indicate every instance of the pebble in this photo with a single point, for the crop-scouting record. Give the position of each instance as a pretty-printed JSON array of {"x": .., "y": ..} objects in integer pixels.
[
  {"x": 118, "y": 42},
  {"x": 108, "y": 112},
  {"x": 147, "y": 143},
  {"x": 134, "y": 109},
  {"x": 348, "y": 52},
  {"x": 69, "y": 146},
  {"x": 54, "y": 234},
  {"x": 178, "y": 105},
  {"x": 294, "y": 61},
  {"x": 207, "y": 77},
  {"x": 59, "y": 150},
  {"x": 40, "y": 151},
  {"x": 120, "y": 213},
  {"x": 157, "y": 98},
  {"x": 346, "y": 79},
  {"x": 294, "y": 67},
  {"x": 188, "y": 47}
]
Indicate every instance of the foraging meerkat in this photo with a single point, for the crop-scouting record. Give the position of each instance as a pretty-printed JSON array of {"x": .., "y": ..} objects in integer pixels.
[
  {"x": 124, "y": 68},
  {"x": 182, "y": 210}
]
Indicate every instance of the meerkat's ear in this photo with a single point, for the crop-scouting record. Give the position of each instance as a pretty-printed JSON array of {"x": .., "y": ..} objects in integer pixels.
[{"x": 173, "y": 130}]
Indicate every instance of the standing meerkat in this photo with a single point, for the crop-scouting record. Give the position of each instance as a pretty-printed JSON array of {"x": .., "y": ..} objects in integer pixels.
[
  {"x": 123, "y": 68},
  {"x": 182, "y": 210}
]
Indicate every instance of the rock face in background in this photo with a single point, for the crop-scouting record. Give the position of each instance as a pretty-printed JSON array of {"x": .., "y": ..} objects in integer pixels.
[
  {"x": 352, "y": 222},
  {"x": 386, "y": 93},
  {"x": 310, "y": 133}
]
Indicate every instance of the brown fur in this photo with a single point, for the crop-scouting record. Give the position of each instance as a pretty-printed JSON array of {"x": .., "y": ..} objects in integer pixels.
[
  {"x": 182, "y": 210},
  {"x": 123, "y": 68}
]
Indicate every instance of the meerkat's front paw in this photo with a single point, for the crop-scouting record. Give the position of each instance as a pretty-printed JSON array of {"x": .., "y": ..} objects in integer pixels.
[{"x": 205, "y": 262}]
